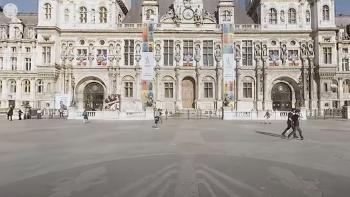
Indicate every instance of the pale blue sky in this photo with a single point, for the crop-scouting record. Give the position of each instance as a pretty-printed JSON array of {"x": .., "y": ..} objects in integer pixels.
[{"x": 342, "y": 6}]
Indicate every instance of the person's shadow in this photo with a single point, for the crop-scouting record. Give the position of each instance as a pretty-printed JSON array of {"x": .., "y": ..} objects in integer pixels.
[{"x": 268, "y": 134}]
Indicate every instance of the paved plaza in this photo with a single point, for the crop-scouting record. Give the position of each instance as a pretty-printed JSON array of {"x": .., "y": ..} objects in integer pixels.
[{"x": 185, "y": 158}]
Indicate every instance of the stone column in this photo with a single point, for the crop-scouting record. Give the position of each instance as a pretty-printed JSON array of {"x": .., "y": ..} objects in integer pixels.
[
  {"x": 312, "y": 83},
  {"x": 305, "y": 87},
  {"x": 178, "y": 89},
  {"x": 257, "y": 87},
  {"x": 198, "y": 86},
  {"x": 340, "y": 92},
  {"x": 219, "y": 90},
  {"x": 238, "y": 78}
]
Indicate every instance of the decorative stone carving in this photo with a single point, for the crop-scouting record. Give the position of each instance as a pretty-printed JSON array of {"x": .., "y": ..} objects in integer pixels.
[
  {"x": 3, "y": 33},
  {"x": 197, "y": 55},
  {"x": 218, "y": 53},
  {"x": 284, "y": 54},
  {"x": 257, "y": 50}
]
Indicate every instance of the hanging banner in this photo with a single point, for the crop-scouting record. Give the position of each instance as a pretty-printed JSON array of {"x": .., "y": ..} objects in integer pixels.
[
  {"x": 62, "y": 101},
  {"x": 147, "y": 65},
  {"x": 229, "y": 65}
]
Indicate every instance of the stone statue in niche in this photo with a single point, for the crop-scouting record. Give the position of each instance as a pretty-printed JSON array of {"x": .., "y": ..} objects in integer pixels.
[
  {"x": 257, "y": 50},
  {"x": 238, "y": 51},
  {"x": 218, "y": 53},
  {"x": 70, "y": 51},
  {"x": 31, "y": 33},
  {"x": 3, "y": 33},
  {"x": 111, "y": 49},
  {"x": 311, "y": 50},
  {"x": 18, "y": 33},
  {"x": 264, "y": 50},
  {"x": 91, "y": 48},
  {"x": 284, "y": 54},
  {"x": 158, "y": 50},
  {"x": 197, "y": 52},
  {"x": 138, "y": 49},
  {"x": 118, "y": 49},
  {"x": 282, "y": 18},
  {"x": 64, "y": 50},
  {"x": 304, "y": 50}
]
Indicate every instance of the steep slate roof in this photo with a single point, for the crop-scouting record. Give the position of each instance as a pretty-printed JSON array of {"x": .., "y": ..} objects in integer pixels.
[
  {"x": 134, "y": 15},
  {"x": 342, "y": 21},
  {"x": 26, "y": 18}
]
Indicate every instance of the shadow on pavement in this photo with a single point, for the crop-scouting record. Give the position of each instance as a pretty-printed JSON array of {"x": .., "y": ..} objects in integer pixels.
[{"x": 268, "y": 134}]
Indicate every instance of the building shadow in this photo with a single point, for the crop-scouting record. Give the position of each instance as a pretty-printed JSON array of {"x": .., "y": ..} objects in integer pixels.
[{"x": 268, "y": 134}]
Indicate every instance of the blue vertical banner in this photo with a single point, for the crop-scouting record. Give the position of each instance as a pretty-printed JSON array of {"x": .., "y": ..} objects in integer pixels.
[{"x": 229, "y": 64}]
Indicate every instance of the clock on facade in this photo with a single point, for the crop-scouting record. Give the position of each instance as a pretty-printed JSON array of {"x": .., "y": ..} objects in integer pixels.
[{"x": 188, "y": 14}]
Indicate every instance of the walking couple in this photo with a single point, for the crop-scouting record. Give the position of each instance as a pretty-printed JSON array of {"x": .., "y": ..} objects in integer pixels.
[{"x": 293, "y": 123}]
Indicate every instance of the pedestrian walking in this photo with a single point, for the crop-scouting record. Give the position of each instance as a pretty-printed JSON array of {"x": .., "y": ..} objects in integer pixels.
[
  {"x": 156, "y": 119},
  {"x": 296, "y": 125},
  {"x": 20, "y": 112},
  {"x": 39, "y": 114},
  {"x": 267, "y": 116},
  {"x": 10, "y": 113},
  {"x": 289, "y": 124},
  {"x": 85, "y": 117},
  {"x": 61, "y": 112}
]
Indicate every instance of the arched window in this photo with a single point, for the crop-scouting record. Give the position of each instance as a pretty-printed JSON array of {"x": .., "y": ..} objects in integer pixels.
[
  {"x": 308, "y": 16},
  {"x": 292, "y": 16},
  {"x": 12, "y": 86},
  {"x": 83, "y": 15},
  {"x": 103, "y": 15},
  {"x": 346, "y": 86},
  {"x": 66, "y": 15},
  {"x": 325, "y": 13},
  {"x": 26, "y": 86},
  {"x": 334, "y": 86},
  {"x": 40, "y": 86},
  {"x": 48, "y": 11},
  {"x": 273, "y": 16}
]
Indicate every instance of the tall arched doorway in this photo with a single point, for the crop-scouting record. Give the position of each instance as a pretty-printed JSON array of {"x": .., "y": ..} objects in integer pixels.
[
  {"x": 93, "y": 97},
  {"x": 282, "y": 97},
  {"x": 188, "y": 93}
]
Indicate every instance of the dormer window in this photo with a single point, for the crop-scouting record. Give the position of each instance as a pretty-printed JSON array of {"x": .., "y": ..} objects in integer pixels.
[
  {"x": 325, "y": 13},
  {"x": 227, "y": 15},
  {"x": 48, "y": 11},
  {"x": 83, "y": 15},
  {"x": 292, "y": 16},
  {"x": 103, "y": 15},
  {"x": 273, "y": 16}
]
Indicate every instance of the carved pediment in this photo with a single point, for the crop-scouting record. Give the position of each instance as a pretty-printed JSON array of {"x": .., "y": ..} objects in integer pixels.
[{"x": 188, "y": 12}]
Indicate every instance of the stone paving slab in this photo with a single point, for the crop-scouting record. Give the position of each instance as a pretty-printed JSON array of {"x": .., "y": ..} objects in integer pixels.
[{"x": 60, "y": 158}]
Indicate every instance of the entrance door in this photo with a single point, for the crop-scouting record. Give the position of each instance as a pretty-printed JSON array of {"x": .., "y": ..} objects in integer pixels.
[
  {"x": 282, "y": 97},
  {"x": 12, "y": 103},
  {"x": 93, "y": 97},
  {"x": 188, "y": 93}
]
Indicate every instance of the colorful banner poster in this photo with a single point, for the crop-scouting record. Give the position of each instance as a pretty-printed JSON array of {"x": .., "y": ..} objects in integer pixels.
[
  {"x": 62, "y": 101},
  {"x": 229, "y": 65},
  {"x": 147, "y": 65}
]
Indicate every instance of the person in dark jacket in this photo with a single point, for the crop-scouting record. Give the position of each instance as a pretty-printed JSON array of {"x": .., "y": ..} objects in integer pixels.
[
  {"x": 20, "y": 114},
  {"x": 289, "y": 124},
  {"x": 10, "y": 113},
  {"x": 296, "y": 125}
]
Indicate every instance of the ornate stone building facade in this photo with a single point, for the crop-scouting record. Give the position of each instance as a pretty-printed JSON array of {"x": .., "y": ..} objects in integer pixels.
[{"x": 288, "y": 54}]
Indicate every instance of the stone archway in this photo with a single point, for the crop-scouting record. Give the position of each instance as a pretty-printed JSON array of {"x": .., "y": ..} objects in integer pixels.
[
  {"x": 282, "y": 97},
  {"x": 188, "y": 93},
  {"x": 93, "y": 97},
  {"x": 94, "y": 87}
]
